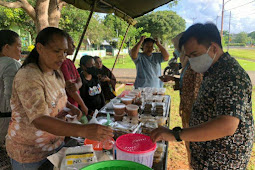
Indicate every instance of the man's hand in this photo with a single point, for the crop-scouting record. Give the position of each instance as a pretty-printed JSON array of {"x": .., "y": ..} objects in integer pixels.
[
  {"x": 157, "y": 42},
  {"x": 166, "y": 78},
  {"x": 71, "y": 87},
  {"x": 162, "y": 133}
]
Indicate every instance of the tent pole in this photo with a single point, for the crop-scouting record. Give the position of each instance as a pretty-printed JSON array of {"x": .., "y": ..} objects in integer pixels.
[
  {"x": 85, "y": 29},
  {"x": 121, "y": 47}
]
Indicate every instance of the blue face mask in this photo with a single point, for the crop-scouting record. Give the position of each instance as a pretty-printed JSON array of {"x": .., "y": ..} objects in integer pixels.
[{"x": 202, "y": 63}]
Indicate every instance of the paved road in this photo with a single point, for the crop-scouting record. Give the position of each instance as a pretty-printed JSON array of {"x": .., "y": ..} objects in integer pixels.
[{"x": 128, "y": 75}]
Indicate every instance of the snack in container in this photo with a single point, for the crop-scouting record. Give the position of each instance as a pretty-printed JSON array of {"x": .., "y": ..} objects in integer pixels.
[
  {"x": 126, "y": 100},
  {"x": 119, "y": 117},
  {"x": 148, "y": 127},
  {"x": 161, "y": 91},
  {"x": 161, "y": 120},
  {"x": 119, "y": 108},
  {"x": 131, "y": 96},
  {"x": 132, "y": 110}
]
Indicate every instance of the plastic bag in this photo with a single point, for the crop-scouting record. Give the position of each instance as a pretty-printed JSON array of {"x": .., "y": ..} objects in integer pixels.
[
  {"x": 78, "y": 157},
  {"x": 94, "y": 118}
]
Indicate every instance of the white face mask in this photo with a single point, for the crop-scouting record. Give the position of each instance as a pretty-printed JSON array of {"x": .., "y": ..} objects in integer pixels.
[{"x": 202, "y": 63}]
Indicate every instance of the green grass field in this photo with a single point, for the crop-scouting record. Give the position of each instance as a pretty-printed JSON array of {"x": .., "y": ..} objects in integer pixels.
[{"x": 243, "y": 53}]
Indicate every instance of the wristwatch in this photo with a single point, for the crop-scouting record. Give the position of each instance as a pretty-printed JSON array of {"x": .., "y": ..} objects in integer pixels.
[{"x": 176, "y": 132}]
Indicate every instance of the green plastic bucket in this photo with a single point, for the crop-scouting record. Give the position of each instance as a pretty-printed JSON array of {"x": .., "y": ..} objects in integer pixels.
[{"x": 116, "y": 165}]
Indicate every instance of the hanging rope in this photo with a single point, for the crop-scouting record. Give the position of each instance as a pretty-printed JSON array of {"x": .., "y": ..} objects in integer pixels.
[
  {"x": 85, "y": 29},
  {"x": 120, "y": 47}
]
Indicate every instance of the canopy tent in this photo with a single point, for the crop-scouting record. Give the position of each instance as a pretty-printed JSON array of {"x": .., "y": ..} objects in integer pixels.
[{"x": 125, "y": 9}]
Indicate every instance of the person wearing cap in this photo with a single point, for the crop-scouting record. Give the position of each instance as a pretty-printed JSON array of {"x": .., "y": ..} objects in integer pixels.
[
  {"x": 148, "y": 64},
  {"x": 221, "y": 132}
]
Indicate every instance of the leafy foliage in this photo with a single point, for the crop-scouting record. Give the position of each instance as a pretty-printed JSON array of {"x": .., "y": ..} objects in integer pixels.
[
  {"x": 162, "y": 24},
  {"x": 73, "y": 21}
]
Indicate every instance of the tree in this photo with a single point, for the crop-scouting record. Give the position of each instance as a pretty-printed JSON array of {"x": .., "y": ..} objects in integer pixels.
[
  {"x": 16, "y": 17},
  {"x": 117, "y": 28},
  {"x": 73, "y": 20},
  {"x": 44, "y": 13},
  {"x": 242, "y": 37},
  {"x": 252, "y": 35},
  {"x": 162, "y": 24}
]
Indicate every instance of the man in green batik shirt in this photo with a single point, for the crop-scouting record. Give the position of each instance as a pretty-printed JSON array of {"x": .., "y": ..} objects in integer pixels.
[{"x": 221, "y": 131}]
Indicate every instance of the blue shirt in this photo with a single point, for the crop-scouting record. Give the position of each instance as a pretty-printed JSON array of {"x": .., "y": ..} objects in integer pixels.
[{"x": 148, "y": 69}]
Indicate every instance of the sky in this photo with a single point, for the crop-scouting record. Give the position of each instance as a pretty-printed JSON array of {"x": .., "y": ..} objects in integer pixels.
[{"x": 194, "y": 11}]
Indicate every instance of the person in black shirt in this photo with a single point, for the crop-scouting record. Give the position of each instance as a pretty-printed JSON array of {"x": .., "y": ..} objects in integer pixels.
[
  {"x": 107, "y": 79},
  {"x": 91, "y": 91}
]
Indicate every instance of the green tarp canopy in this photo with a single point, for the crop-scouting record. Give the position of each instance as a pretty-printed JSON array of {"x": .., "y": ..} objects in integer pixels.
[{"x": 125, "y": 9}]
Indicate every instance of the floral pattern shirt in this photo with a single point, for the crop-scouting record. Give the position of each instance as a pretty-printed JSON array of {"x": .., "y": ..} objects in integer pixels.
[
  {"x": 34, "y": 94},
  {"x": 225, "y": 90}
]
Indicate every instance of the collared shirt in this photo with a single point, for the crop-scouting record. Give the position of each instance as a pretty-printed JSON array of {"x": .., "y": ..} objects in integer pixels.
[
  {"x": 34, "y": 94},
  {"x": 8, "y": 69},
  {"x": 226, "y": 90},
  {"x": 148, "y": 70}
]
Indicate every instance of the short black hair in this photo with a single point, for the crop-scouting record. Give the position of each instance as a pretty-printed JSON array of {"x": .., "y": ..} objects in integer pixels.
[
  {"x": 96, "y": 57},
  {"x": 84, "y": 59},
  {"x": 205, "y": 34},
  {"x": 7, "y": 37},
  {"x": 148, "y": 40}
]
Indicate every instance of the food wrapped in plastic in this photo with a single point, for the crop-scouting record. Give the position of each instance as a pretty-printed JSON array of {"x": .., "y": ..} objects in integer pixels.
[
  {"x": 161, "y": 120},
  {"x": 161, "y": 91},
  {"x": 148, "y": 127}
]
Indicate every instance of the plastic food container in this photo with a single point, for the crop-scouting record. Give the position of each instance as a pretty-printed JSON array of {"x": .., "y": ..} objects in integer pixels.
[
  {"x": 134, "y": 93},
  {"x": 132, "y": 110},
  {"x": 126, "y": 100},
  {"x": 116, "y": 165},
  {"x": 97, "y": 145},
  {"x": 131, "y": 96},
  {"x": 119, "y": 108},
  {"x": 129, "y": 86},
  {"x": 119, "y": 117},
  {"x": 161, "y": 120},
  {"x": 135, "y": 147},
  {"x": 161, "y": 91}
]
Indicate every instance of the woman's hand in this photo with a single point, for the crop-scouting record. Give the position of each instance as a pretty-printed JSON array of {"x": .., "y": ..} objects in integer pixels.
[
  {"x": 97, "y": 132},
  {"x": 74, "y": 111},
  {"x": 162, "y": 133}
]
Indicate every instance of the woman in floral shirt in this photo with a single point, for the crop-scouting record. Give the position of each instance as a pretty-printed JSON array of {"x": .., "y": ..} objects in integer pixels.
[{"x": 37, "y": 128}]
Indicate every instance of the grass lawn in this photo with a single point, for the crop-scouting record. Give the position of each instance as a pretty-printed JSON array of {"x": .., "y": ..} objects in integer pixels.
[
  {"x": 243, "y": 53},
  {"x": 247, "y": 65}
]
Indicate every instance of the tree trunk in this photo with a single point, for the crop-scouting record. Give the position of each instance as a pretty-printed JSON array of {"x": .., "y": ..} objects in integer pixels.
[
  {"x": 42, "y": 17},
  {"x": 55, "y": 12},
  {"x": 46, "y": 12}
]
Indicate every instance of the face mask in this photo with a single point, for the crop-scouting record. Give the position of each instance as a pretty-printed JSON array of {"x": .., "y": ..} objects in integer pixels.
[
  {"x": 201, "y": 63},
  {"x": 91, "y": 70}
]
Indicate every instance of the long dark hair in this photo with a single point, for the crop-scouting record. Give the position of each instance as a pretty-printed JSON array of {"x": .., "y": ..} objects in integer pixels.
[
  {"x": 7, "y": 37},
  {"x": 43, "y": 37}
]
